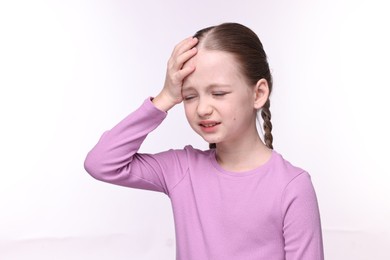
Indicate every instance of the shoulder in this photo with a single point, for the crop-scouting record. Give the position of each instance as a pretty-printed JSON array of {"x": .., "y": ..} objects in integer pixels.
[
  {"x": 196, "y": 154},
  {"x": 196, "y": 158},
  {"x": 284, "y": 170},
  {"x": 187, "y": 154},
  {"x": 297, "y": 187},
  {"x": 296, "y": 183}
]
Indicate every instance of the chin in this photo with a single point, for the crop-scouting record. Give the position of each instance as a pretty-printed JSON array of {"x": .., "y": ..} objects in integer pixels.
[{"x": 211, "y": 140}]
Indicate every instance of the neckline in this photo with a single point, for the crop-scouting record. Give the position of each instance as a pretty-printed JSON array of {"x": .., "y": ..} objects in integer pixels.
[{"x": 262, "y": 168}]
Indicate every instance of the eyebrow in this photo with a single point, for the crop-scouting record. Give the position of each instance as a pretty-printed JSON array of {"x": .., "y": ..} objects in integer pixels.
[{"x": 211, "y": 86}]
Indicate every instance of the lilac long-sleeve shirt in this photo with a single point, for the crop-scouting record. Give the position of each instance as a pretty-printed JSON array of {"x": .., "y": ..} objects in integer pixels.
[{"x": 269, "y": 213}]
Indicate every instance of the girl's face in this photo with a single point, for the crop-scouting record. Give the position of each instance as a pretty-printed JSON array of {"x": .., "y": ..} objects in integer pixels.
[{"x": 218, "y": 102}]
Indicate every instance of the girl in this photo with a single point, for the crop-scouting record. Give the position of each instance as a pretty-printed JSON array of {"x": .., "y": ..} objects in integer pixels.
[{"x": 240, "y": 199}]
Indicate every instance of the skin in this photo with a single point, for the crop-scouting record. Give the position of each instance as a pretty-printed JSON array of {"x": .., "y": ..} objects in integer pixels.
[{"x": 219, "y": 103}]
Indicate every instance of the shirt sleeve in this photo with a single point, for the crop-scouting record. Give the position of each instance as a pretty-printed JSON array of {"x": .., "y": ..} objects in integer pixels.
[
  {"x": 301, "y": 220},
  {"x": 115, "y": 158}
]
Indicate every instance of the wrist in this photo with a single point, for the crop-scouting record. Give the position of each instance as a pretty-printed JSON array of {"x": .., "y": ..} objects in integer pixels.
[{"x": 163, "y": 102}]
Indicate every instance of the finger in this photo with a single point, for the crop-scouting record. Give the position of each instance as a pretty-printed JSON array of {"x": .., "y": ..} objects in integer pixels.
[
  {"x": 184, "y": 46},
  {"x": 183, "y": 73},
  {"x": 186, "y": 56},
  {"x": 183, "y": 58}
]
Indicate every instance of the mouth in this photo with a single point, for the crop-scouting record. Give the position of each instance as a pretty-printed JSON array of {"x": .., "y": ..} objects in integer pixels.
[{"x": 208, "y": 124}]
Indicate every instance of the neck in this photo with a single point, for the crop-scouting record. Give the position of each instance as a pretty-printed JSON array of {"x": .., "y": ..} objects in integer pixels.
[{"x": 244, "y": 156}]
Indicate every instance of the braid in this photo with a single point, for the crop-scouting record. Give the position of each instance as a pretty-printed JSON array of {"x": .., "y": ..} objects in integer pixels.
[{"x": 267, "y": 125}]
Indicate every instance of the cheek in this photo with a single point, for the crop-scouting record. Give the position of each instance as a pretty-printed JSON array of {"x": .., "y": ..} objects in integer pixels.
[
  {"x": 188, "y": 112},
  {"x": 231, "y": 111}
]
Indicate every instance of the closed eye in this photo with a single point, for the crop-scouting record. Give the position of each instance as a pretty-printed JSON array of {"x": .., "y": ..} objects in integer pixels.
[
  {"x": 188, "y": 97},
  {"x": 220, "y": 94}
]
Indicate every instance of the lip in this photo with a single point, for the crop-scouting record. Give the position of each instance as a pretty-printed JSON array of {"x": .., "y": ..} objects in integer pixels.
[{"x": 209, "y": 126}]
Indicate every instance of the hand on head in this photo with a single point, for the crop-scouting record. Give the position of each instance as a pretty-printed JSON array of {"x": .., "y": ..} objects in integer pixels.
[{"x": 171, "y": 94}]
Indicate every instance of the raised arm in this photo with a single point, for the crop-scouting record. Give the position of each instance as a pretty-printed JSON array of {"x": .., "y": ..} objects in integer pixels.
[{"x": 115, "y": 158}]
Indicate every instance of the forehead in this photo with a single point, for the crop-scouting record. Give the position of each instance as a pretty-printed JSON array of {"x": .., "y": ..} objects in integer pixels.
[{"x": 213, "y": 68}]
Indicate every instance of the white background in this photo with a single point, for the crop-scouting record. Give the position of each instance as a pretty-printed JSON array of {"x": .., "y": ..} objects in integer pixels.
[{"x": 70, "y": 70}]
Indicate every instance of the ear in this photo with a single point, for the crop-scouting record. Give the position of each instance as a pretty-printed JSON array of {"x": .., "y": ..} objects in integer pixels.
[{"x": 261, "y": 93}]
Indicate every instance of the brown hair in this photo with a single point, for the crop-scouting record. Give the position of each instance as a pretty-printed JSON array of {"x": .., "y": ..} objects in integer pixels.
[{"x": 246, "y": 46}]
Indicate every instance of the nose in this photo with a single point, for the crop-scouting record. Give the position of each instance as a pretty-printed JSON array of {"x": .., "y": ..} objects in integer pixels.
[{"x": 205, "y": 108}]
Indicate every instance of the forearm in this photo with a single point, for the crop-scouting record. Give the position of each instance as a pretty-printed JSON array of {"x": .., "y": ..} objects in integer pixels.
[{"x": 116, "y": 147}]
